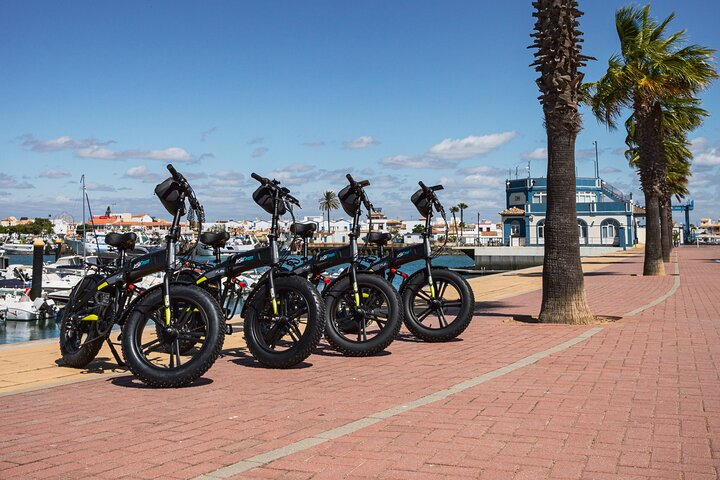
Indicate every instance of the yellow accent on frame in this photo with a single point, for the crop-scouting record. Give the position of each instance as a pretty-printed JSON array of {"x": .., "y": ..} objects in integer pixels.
[
  {"x": 102, "y": 285},
  {"x": 91, "y": 318}
]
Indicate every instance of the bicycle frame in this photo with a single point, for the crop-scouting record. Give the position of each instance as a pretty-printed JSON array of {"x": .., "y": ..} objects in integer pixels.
[{"x": 242, "y": 262}]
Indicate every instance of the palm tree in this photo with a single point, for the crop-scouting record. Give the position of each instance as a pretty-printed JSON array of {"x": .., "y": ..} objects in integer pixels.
[
  {"x": 462, "y": 206},
  {"x": 558, "y": 58},
  {"x": 679, "y": 116},
  {"x": 651, "y": 68},
  {"x": 454, "y": 209},
  {"x": 328, "y": 202}
]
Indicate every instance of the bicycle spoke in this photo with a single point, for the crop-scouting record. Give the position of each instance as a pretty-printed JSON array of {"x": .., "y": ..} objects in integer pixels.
[
  {"x": 294, "y": 333},
  {"x": 362, "y": 334},
  {"x": 441, "y": 317},
  {"x": 454, "y": 303},
  {"x": 176, "y": 344},
  {"x": 423, "y": 315},
  {"x": 190, "y": 336},
  {"x": 422, "y": 294},
  {"x": 440, "y": 288},
  {"x": 184, "y": 318},
  {"x": 150, "y": 343}
]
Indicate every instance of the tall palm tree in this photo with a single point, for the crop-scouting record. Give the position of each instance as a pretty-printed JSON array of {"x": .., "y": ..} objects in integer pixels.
[
  {"x": 329, "y": 201},
  {"x": 678, "y": 116},
  {"x": 558, "y": 58},
  {"x": 651, "y": 68},
  {"x": 462, "y": 206},
  {"x": 454, "y": 209}
]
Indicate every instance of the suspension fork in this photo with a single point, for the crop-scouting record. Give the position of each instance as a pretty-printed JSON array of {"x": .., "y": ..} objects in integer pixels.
[
  {"x": 353, "y": 270},
  {"x": 428, "y": 266}
]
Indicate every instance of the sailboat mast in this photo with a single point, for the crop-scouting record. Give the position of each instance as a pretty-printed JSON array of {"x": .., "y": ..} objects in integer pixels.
[{"x": 82, "y": 180}]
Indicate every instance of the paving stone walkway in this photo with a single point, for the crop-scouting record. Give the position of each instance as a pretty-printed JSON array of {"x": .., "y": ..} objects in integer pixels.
[{"x": 638, "y": 399}]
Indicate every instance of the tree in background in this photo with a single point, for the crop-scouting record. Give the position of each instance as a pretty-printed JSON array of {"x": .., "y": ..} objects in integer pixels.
[
  {"x": 328, "y": 202},
  {"x": 558, "y": 59},
  {"x": 652, "y": 68}
]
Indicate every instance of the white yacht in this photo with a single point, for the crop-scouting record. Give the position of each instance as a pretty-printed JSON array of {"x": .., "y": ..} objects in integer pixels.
[{"x": 241, "y": 243}]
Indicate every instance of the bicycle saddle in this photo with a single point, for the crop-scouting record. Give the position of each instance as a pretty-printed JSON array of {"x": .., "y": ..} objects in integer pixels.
[
  {"x": 303, "y": 230},
  {"x": 121, "y": 241},
  {"x": 214, "y": 239},
  {"x": 378, "y": 238}
]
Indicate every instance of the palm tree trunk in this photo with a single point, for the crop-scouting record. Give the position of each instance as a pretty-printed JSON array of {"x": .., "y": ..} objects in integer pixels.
[
  {"x": 665, "y": 229},
  {"x": 328, "y": 212},
  {"x": 563, "y": 283},
  {"x": 652, "y": 173},
  {"x": 668, "y": 212}
]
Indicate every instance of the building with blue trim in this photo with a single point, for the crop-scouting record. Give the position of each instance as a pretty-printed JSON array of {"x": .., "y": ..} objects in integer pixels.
[{"x": 606, "y": 216}]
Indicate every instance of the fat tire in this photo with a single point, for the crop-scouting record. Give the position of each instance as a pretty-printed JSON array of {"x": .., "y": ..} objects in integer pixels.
[
  {"x": 258, "y": 302},
  {"x": 378, "y": 343},
  {"x": 87, "y": 352},
  {"x": 199, "y": 364},
  {"x": 457, "y": 326}
]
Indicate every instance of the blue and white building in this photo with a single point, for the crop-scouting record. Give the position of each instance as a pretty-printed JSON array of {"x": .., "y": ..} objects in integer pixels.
[{"x": 605, "y": 215}]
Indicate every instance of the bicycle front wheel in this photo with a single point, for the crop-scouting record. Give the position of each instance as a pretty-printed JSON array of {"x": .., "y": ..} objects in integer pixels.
[
  {"x": 173, "y": 353},
  {"x": 284, "y": 338}
]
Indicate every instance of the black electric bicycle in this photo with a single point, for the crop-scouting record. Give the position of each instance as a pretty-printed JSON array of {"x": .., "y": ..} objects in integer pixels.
[
  {"x": 159, "y": 323},
  {"x": 283, "y": 313},
  {"x": 437, "y": 302},
  {"x": 363, "y": 311}
]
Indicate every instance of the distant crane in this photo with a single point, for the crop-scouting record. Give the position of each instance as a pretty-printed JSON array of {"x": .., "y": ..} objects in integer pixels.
[{"x": 686, "y": 208}]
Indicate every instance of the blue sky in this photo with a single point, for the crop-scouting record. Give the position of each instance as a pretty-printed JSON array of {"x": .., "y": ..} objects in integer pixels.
[{"x": 303, "y": 91}]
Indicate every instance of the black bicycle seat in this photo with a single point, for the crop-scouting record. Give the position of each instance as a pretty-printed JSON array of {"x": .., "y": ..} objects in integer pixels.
[
  {"x": 303, "y": 230},
  {"x": 378, "y": 238},
  {"x": 214, "y": 239},
  {"x": 121, "y": 241}
]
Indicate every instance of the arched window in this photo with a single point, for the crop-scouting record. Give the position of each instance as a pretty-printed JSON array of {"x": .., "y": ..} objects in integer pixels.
[
  {"x": 515, "y": 228},
  {"x": 541, "y": 230},
  {"x": 582, "y": 231},
  {"x": 610, "y": 231}
]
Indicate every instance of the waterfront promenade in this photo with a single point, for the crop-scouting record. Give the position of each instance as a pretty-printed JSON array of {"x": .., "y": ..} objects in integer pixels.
[{"x": 638, "y": 398}]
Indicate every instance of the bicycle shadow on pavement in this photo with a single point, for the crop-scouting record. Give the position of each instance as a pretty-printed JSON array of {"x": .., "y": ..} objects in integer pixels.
[
  {"x": 129, "y": 381},
  {"x": 245, "y": 358}
]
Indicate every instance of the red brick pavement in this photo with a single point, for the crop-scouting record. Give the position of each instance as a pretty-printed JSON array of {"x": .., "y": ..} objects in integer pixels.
[{"x": 638, "y": 400}]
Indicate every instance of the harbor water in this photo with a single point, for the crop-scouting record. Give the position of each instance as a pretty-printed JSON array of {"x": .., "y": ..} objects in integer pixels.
[{"x": 11, "y": 331}]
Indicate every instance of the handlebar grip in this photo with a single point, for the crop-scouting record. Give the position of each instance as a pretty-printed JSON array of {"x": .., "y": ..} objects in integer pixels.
[
  {"x": 350, "y": 179},
  {"x": 172, "y": 171},
  {"x": 422, "y": 185},
  {"x": 437, "y": 187},
  {"x": 363, "y": 183},
  {"x": 258, "y": 178}
]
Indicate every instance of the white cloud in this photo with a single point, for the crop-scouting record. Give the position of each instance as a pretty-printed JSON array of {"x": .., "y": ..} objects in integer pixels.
[
  {"x": 8, "y": 181},
  {"x": 98, "y": 150},
  {"x": 54, "y": 174},
  {"x": 141, "y": 172},
  {"x": 227, "y": 178},
  {"x": 99, "y": 187},
  {"x": 361, "y": 142},
  {"x": 472, "y": 146},
  {"x": 405, "y": 161},
  {"x": 698, "y": 144},
  {"x": 204, "y": 135},
  {"x": 703, "y": 154},
  {"x": 299, "y": 167},
  {"x": 259, "y": 152},
  {"x": 539, "y": 153}
]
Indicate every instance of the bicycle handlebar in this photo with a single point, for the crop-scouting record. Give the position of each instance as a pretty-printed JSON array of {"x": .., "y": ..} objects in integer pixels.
[
  {"x": 430, "y": 192},
  {"x": 284, "y": 192},
  {"x": 359, "y": 189},
  {"x": 178, "y": 177}
]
